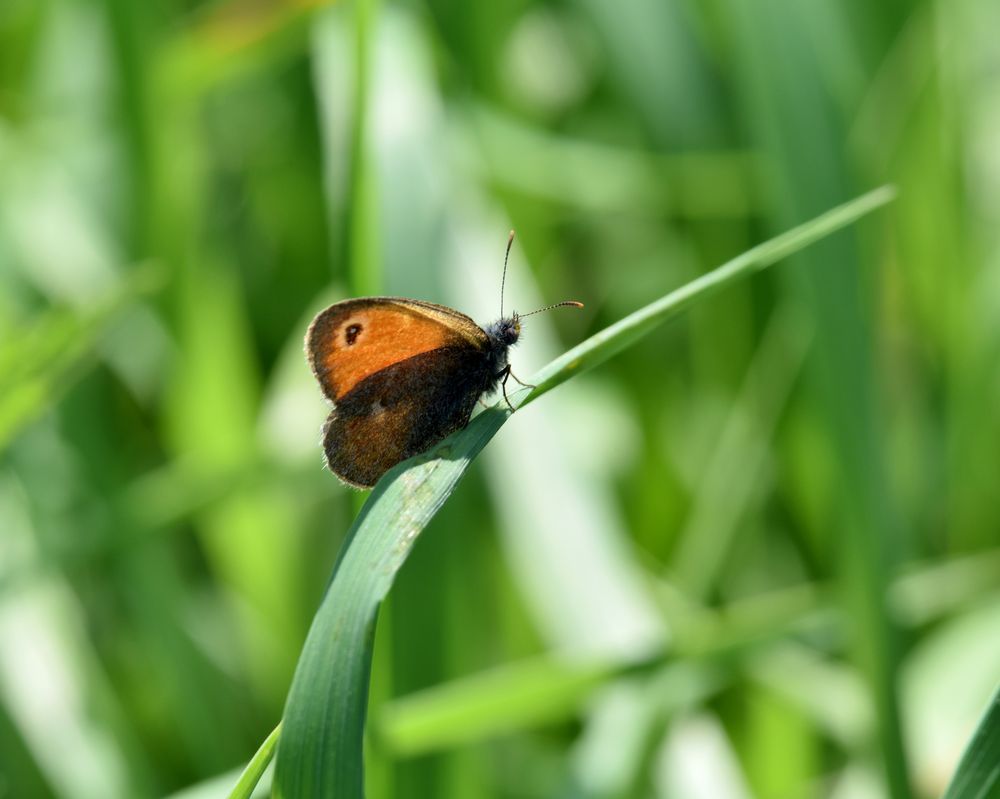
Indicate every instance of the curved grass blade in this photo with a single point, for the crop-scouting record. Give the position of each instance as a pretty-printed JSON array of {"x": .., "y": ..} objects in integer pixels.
[
  {"x": 978, "y": 773},
  {"x": 320, "y": 752}
]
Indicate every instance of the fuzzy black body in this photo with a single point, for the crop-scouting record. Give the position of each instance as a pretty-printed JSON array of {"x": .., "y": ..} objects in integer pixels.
[{"x": 403, "y": 375}]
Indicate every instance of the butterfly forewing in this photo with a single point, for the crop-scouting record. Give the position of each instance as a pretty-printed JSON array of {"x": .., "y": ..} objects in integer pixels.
[{"x": 356, "y": 339}]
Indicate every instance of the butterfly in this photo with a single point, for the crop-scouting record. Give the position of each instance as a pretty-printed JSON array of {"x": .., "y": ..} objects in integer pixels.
[{"x": 402, "y": 375}]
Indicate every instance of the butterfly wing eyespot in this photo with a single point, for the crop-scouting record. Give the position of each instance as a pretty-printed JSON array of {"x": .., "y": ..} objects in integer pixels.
[{"x": 351, "y": 333}]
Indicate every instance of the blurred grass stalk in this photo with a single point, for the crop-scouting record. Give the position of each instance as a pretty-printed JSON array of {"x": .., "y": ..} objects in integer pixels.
[{"x": 783, "y": 106}]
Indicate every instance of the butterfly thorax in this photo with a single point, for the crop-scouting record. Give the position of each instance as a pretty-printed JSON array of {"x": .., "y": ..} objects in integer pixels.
[{"x": 502, "y": 334}]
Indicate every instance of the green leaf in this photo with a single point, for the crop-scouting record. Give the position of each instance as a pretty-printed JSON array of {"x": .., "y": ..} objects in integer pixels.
[
  {"x": 978, "y": 773},
  {"x": 320, "y": 752}
]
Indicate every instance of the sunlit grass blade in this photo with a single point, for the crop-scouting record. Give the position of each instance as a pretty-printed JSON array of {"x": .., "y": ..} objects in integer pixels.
[
  {"x": 520, "y": 695},
  {"x": 320, "y": 753},
  {"x": 978, "y": 773},
  {"x": 255, "y": 768}
]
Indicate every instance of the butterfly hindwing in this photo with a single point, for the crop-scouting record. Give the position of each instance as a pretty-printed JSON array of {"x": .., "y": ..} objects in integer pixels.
[
  {"x": 403, "y": 409},
  {"x": 355, "y": 339}
]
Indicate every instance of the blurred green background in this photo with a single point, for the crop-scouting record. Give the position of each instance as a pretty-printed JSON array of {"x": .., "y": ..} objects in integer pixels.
[{"x": 793, "y": 492}]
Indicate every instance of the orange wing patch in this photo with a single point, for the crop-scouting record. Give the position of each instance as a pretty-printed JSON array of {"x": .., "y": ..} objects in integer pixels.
[{"x": 354, "y": 339}]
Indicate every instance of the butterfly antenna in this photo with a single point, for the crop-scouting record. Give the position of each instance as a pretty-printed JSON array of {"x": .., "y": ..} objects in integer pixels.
[
  {"x": 503, "y": 279},
  {"x": 565, "y": 304}
]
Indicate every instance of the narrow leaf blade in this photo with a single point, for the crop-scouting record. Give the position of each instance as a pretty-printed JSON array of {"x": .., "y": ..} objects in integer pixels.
[{"x": 978, "y": 773}]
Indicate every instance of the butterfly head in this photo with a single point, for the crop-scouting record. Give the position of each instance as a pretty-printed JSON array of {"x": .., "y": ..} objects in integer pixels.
[{"x": 505, "y": 331}]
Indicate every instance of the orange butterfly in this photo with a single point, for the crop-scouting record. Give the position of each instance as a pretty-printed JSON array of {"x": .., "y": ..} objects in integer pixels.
[{"x": 402, "y": 375}]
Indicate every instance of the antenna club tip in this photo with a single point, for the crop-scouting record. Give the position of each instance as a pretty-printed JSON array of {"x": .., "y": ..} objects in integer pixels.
[
  {"x": 510, "y": 236},
  {"x": 575, "y": 304}
]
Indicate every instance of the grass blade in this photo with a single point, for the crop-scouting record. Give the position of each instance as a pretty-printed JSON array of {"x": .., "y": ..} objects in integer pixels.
[
  {"x": 978, "y": 773},
  {"x": 613, "y": 339},
  {"x": 320, "y": 752},
  {"x": 255, "y": 768},
  {"x": 530, "y": 693}
]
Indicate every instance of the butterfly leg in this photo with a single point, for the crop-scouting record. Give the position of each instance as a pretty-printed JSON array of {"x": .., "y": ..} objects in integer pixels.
[
  {"x": 505, "y": 373},
  {"x": 526, "y": 385}
]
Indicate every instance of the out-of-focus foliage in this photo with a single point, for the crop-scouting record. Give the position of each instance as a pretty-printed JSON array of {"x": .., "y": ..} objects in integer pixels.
[{"x": 793, "y": 490}]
